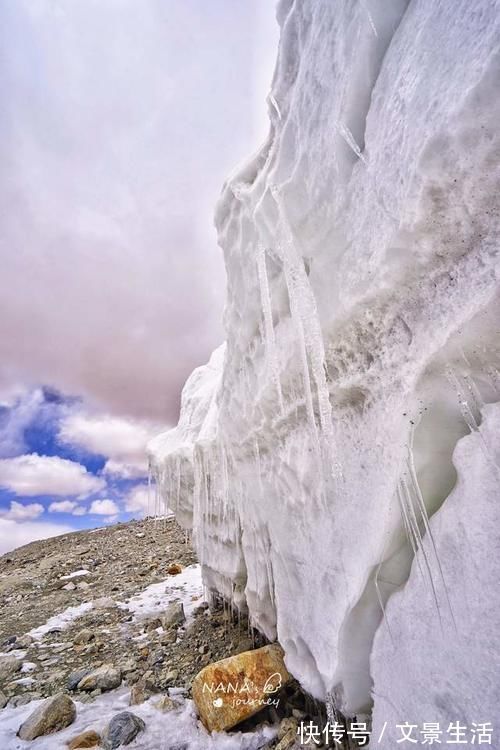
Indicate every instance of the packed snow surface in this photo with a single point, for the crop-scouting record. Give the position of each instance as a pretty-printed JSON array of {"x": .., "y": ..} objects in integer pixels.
[
  {"x": 332, "y": 458},
  {"x": 61, "y": 621},
  {"x": 186, "y": 587},
  {"x": 179, "y": 727}
]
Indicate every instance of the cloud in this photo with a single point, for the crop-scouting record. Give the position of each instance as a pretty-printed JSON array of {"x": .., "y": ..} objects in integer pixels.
[
  {"x": 122, "y": 441},
  {"x": 104, "y": 507},
  {"x": 20, "y": 512},
  {"x": 15, "y": 416},
  {"x": 67, "y": 506},
  {"x": 126, "y": 469},
  {"x": 137, "y": 501},
  {"x": 31, "y": 475},
  {"x": 14, "y": 534},
  {"x": 113, "y": 156}
]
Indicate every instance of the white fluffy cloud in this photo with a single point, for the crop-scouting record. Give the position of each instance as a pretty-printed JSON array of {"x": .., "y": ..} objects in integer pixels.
[
  {"x": 62, "y": 506},
  {"x": 137, "y": 501},
  {"x": 32, "y": 475},
  {"x": 20, "y": 512},
  {"x": 122, "y": 441},
  {"x": 67, "y": 506},
  {"x": 13, "y": 534},
  {"x": 104, "y": 507},
  {"x": 128, "y": 469}
]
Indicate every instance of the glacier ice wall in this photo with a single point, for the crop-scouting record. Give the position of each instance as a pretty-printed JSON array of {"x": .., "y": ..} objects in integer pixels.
[{"x": 314, "y": 453}]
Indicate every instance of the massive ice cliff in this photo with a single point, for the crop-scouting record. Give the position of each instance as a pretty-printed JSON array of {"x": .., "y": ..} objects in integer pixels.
[{"x": 338, "y": 459}]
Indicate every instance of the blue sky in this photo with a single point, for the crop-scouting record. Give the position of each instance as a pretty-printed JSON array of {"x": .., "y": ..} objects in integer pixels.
[
  {"x": 119, "y": 121},
  {"x": 60, "y": 466}
]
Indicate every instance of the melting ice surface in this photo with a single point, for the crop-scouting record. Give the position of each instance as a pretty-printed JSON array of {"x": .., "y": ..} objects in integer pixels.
[{"x": 337, "y": 459}]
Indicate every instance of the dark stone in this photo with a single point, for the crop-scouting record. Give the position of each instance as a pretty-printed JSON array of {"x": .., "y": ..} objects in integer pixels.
[
  {"x": 75, "y": 677},
  {"x": 122, "y": 729}
]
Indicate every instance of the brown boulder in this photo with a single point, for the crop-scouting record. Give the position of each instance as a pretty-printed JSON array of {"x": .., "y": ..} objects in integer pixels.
[
  {"x": 56, "y": 713},
  {"x": 229, "y": 691},
  {"x": 85, "y": 740},
  {"x": 174, "y": 569}
]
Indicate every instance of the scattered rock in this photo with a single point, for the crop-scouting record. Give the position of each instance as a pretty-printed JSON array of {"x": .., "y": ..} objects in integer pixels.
[
  {"x": 19, "y": 700},
  {"x": 24, "y": 641},
  {"x": 249, "y": 680},
  {"x": 9, "y": 665},
  {"x": 105, "y": 678},
  {"x": 287, "y": 734},
  {"x": 8, "y": 643},
  {"x": 86, "y": 739},
  {"x": 173, "y": 615},
  {"x": 171, "y": 676},
  {"x": 3, "y": 700},
  {"x": 122, "y": 729},
  {"x": 174, "y": 569},
  {"x": 104, "y": 602},
  {"x": 166, "y": 704},
  {"x": 83, "y": 636},
  {"x": 75, "y": 677},
  {"x": 54, "y": 714},
  {"x": 168, "y": 637},
  {"x": 139, "y": 693},
  {"x": 152, "y": 625}
]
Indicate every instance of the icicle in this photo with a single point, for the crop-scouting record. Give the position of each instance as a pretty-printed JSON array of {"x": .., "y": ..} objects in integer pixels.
[
  {"x": 310, "y": 339},
  {"x": 370, "y": 18},
  {"x": 420, "y": 545},
  {"x": 271, "y": 351},
  {"x": 379, "y": 595},
  {"x": 469, "y": 417},
  {"x": 349, "y": 139},
  {"x": 423, "y": 512},
  {"x": 275, "y": 105},
  {"x": 149, "y": 487}
]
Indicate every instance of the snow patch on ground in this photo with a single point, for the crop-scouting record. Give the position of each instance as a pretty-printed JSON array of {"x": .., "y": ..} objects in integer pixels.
[
  {"x": 186, "y": 587},
  {"x": 61, "y": 621},
  {"x": 163, "y": 730},
  {"x": 76, "y": 574}
]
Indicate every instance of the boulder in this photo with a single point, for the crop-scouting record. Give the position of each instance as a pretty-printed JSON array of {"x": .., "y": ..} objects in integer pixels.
[
  {"x": 56, "y": 713},
  {"x": 229, "y": 691},
  {"x": 174, "y": 569},
  {"x": 122, "y": 729},
  {"x": 9, "y": 665},
  {"x": 173, "y": 615},
  {"x": 85, "y": 740},
  {"x": 139, "y": 693},
  {"x": 24, "y": 641},
  {"x": 166, "y": 704},
  {"x": 3, "y": 700},
  {"x": 75, "y": 678},
  {"x": 104, "y": 678},
  {"x": 84, "y": 636}
]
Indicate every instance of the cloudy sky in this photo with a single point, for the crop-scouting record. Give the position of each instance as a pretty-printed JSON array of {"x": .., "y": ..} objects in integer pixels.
[{"x": 118, "y": 122}]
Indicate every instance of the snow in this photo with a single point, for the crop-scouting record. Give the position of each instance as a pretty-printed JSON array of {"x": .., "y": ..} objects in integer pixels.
[
  {"x": 28, "y": 666},
  {"x": 163, "y": 730},
  {"x": 314, "y": 452},
  {"x": 76, "y": 574},
  {"x": 61, "y": 620},
  {"x": 186, "y": 587}
]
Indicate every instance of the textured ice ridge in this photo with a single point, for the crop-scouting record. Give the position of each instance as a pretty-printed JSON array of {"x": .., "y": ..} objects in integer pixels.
[{"x": 314, "y": 453}]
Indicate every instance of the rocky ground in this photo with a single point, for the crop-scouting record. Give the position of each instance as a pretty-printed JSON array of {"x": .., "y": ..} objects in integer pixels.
[{"x": 93, "y": 611}]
